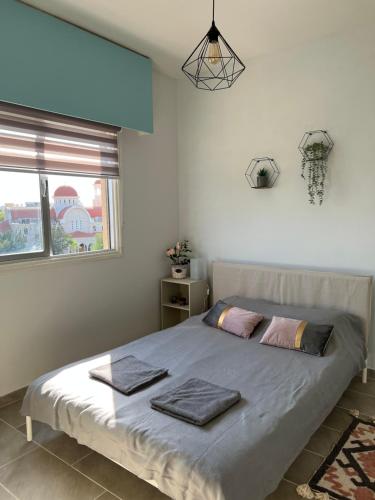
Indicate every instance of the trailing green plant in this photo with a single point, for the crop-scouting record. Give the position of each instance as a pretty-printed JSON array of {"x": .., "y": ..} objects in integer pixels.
[
  {"x": 314, "y": 167},
  {"x": 262, "y": 172}
]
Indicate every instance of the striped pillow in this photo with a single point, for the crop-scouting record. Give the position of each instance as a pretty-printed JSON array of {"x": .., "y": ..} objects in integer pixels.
[
  {"x": 298, "y": 335},
  {"x": 232, "y": 319}
]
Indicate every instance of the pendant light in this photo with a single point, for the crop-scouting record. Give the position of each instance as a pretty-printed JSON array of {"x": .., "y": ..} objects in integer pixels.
[{"x": 213, "y": 65}]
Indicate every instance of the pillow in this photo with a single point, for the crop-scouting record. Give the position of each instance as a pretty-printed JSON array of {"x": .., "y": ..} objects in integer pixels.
[
  {"x": 233, "y": 319},
  {"x": 298, "y": 335}
]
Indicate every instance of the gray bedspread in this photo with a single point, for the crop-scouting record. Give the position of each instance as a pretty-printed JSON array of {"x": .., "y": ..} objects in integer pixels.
[
  {"x": 128, "y": 374},
  {"x": 243, "y": 454},
  {"x": 196, "y": 401}
]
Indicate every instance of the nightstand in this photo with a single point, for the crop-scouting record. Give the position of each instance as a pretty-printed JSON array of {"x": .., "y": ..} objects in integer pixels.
[{"x": 195, "y": 293}]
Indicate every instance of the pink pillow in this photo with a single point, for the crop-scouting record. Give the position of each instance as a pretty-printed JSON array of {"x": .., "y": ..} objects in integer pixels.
[
  {"x": 282, "y": 332},
  {"x": 297, "y": 334},
  {"x": 232, "y": 319},
  {"x": 240, "y": 322}
]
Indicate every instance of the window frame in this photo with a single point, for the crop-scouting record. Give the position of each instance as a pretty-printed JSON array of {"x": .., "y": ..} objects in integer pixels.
[{"x": 46, "y": 255}]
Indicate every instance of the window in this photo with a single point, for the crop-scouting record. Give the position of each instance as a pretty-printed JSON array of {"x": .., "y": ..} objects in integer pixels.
[
  {"x": 58, "y": 185},
  {"x": 16, "y": 190}
]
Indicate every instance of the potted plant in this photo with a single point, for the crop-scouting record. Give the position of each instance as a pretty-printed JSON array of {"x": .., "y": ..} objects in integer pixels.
[
  {"x": 262, "y": 178},
  {"x": 315, "y": 158},
  {"x": 179, "y": 255}
]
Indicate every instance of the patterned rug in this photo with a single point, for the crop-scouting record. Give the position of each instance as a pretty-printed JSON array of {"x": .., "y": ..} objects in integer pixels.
[{"x": 348, "y": 473}]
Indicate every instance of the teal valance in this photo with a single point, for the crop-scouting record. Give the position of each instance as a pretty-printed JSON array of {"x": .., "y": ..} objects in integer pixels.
[{"x": 49, "y": 64}]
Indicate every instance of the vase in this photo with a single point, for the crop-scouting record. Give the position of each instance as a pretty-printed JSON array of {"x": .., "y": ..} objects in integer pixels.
[
  {"x": 262, "y": 181},
  {"x": 179, "y": 271},
  {"x": 198, "y": 268}
]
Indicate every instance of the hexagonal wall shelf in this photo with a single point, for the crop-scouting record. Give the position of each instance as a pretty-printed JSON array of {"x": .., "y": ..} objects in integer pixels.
[
  {"x": 315, "y": 137},
  {"x": 257, "y": 165}
]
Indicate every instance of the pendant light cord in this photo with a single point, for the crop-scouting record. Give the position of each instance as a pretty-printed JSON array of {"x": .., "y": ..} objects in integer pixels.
[{"x": 213, "y": 10}]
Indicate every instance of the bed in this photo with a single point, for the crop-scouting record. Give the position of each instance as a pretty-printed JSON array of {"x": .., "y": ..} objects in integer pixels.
[{"x": 245, "y": 452}]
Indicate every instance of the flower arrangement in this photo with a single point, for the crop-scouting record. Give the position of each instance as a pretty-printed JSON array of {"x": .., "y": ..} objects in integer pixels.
[{"x": 179, "y": 254}]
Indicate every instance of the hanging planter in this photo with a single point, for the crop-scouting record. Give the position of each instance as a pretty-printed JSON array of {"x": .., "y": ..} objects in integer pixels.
[{"x": 315, "y": 147}]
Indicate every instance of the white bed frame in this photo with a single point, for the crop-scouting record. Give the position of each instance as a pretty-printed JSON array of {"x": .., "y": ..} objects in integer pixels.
[{"x": 345, "y": 292}]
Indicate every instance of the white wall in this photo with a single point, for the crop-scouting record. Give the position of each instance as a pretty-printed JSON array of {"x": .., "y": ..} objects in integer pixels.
[
  {"x": 55, "y": 314},
  {"x": 327, "y": 84},
  {"x": 67, "y": 311}
]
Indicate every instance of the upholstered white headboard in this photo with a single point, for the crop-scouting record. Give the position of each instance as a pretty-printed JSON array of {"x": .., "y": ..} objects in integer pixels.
[{"x": 344, "y": 292}]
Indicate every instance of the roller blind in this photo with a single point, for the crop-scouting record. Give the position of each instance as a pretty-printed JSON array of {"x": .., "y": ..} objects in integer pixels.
[
  {"x": 33, "y": 140},
  {"x": 52, "y": 65}
]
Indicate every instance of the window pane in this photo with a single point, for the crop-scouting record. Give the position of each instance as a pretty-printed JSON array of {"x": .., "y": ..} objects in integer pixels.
[
  {"x": 79, "y": 214},
  {"x": 21, "y": 229}
]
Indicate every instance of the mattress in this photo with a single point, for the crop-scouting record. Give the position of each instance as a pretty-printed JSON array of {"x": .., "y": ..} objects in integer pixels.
[{"x": 241, "y": 454}]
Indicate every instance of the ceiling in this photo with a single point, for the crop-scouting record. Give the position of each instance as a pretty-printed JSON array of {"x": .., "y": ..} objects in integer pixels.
[{"x": 168, "y": 30}]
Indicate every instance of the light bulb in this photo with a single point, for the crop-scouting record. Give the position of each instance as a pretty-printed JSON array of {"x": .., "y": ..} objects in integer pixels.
[{"x": 214, "y": 52}]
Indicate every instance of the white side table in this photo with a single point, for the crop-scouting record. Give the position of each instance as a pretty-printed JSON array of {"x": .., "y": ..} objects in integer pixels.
[{"x": 195, "y": 293}]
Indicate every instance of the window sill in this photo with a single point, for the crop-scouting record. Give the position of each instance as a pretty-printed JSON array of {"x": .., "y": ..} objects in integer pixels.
[{"x": 11, "y": 265}]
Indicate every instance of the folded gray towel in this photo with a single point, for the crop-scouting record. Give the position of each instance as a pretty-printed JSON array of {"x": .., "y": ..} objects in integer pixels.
[
  {"x": 196, "y": 401},
  {"x": 128, "y": 374}
]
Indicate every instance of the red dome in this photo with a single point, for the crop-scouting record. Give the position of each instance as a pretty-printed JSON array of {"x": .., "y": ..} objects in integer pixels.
[{"x": 65, "y": 191}]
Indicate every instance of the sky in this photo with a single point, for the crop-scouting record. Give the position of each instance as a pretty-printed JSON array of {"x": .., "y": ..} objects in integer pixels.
[{"x": 19, "y": 187}]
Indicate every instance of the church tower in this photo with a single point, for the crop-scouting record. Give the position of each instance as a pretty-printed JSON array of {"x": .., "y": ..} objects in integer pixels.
[{"x": 97, "y": 202}]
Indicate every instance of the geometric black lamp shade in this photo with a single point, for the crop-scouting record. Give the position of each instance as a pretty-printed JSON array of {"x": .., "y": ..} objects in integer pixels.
[
  {"x": 213, "y": 65},
  {"x": 262, "y": 173}
]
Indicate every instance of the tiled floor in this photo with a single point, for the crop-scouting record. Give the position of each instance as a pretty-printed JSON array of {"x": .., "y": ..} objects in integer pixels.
[
  {"x": 55, "y": 467},
  {"x": 358, "y": 396}
]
